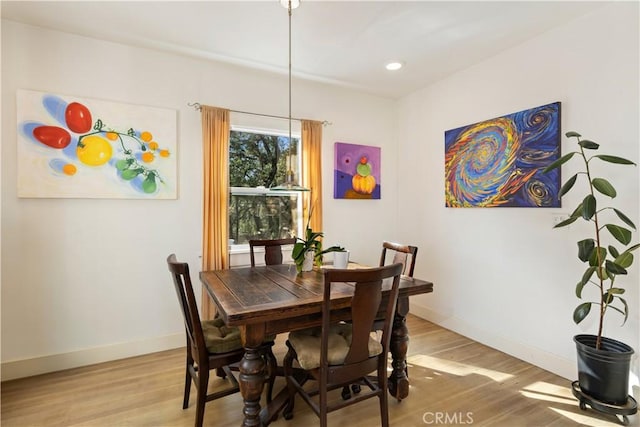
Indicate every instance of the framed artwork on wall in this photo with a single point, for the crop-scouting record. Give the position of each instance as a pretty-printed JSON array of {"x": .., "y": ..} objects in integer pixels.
[
  {"x": 356, "y": 171},
  {"x": 499, "y": 162},
  {"x": 71, "y": 147}
]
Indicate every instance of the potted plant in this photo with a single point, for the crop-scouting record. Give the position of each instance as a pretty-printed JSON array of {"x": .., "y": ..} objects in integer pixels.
[
  {"x": 603, "y": 363},
  {"x": 308, "y": 251}
]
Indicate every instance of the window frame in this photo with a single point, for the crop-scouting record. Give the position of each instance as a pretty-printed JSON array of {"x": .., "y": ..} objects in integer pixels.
[{"x": 261, "y": 190}]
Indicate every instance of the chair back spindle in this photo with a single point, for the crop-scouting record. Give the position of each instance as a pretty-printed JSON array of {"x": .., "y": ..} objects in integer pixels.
[
  {"x": 404, "y": 254},
  {"x": 272, "y": 249}
]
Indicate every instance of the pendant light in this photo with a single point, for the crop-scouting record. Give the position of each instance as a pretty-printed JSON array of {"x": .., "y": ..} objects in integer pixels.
[{"x": 290, "y": 183}]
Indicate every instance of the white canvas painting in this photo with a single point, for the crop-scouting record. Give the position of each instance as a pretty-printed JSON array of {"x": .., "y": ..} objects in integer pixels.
[{"x": 86, "y": 148}]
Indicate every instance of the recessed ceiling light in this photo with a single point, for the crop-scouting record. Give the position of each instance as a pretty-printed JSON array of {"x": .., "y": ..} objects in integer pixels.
[{"x": 394, "y": 65}]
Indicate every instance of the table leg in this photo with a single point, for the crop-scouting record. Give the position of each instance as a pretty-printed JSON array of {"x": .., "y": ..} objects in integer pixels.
[
  {"x": 251, "y": 379},
  {"x": 398, "y": 381}
]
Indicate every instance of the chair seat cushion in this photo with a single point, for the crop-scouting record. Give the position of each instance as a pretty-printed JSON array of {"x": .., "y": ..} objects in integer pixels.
[
  {"x": 306, "y": 344},
  {"x": 220, "y": 338}
]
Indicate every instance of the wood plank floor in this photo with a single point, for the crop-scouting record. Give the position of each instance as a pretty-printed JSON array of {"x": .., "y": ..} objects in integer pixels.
[{"x": 454, "y": 381}]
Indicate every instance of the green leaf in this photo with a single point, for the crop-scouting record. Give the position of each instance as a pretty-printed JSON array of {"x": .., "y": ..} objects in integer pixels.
[
  {"x": 331, "y": 249},
  {"x": 562, "y": 160},
  {"x": 613, "y": 268},
  {"x": 585, "y": 248},
  {"x": 602, "y": 274},
  {"x": 625, "y": 313},
  {"x": 298, "y": 250},
  {"x": 568, "y": 185},
  {"x": 621, "y": 234},
  {"x": 589, "y": 145},
  {"x": 607, "y": 298},
  {"x": 633, "y": 248},
  {"x": 149, "y": 184},
  {"x": 566, "y": 222},
  {"x": 572, "y": 134},
  {"x": 597, "y": 257},
  {"x": 581, "y": 312},
  {"x": 626, "y": 309},
  {"x": 624, "y": 218},
  {"x": 614, "y": 252},
  {"x": 579, "y": 287},
  {"x": 585, "y": 278},
  {"x": 604, "y": 186},
  {"x": 578, "y": 211},
  {"x": 588, "y": 207},
  {"x": 616, "y": 291},
  {"x": 624, "y": 260},
  {"x": 614, "y": 159}
]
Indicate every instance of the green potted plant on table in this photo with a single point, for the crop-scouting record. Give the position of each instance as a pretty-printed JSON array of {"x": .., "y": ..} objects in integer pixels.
[
  {"x": 603, "y": 363},
  {"x": 308, "y": 251}
]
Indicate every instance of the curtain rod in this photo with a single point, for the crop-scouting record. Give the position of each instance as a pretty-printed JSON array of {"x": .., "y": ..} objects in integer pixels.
[{"x": 198, "y": 107}]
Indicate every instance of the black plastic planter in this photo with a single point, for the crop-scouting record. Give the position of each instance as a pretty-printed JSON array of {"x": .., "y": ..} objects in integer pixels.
[{"x": 604, "y": 374}]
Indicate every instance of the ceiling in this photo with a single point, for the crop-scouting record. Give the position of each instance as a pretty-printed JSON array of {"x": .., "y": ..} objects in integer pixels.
[{"x": 340, "y": 42}]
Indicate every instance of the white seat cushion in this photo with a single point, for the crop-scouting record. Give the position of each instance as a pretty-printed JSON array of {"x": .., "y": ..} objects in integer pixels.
[{"x": 306, "y": 343}]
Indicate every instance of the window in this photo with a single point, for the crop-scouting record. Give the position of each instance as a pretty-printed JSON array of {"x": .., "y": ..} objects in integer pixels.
[{"x": 257, "y": 162}]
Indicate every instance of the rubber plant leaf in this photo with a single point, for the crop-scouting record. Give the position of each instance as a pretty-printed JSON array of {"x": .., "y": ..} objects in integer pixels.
[
  {"x": 614, "y": 159},
  {"x": 568, "y": 185},
  {"x": 585, "y": 248},
  {"x": 562, "y": 160},
  {"x": 621, "y": 234},
  {"x": 581, "y": 312},
  {"x": 625, "y": 218},
  {"x": 589, "y": 145},
  {"x": 588, "y": 207},
  {"x": 604, "y": 186}
]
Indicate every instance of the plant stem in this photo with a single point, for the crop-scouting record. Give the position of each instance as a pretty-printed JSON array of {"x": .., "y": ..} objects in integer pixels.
[{"x": 600, "y": 261}]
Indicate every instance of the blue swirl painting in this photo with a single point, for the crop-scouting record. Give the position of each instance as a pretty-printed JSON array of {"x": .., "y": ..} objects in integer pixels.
[{"x": 500, "y": 162}]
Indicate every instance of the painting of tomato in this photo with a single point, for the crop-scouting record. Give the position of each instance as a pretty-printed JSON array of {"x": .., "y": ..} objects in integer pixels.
[
  {"x": 78, "y": 117},
  {"x": 94, "y": 150},
  {"x": 52, "y": 136},
  {"x": 82, "y": 147}
]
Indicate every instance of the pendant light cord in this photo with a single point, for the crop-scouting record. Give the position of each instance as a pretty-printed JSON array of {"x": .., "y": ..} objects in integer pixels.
[{"x": 290, "y": 142}]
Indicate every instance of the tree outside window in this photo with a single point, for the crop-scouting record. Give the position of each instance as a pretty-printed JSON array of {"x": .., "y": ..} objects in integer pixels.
[{"x": 257, "y": 162}]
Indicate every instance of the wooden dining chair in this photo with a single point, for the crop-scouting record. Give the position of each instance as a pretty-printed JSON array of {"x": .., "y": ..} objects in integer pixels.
[
  {"x": 339, "y": 354},
  {"x": 404, "y": 254},
  {"x": 272, "y": 249},
  {"x": 210, "y": 345}
]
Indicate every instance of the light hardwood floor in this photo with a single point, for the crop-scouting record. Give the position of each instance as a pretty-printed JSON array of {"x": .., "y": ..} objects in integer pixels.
[{"x": 454, "y": 381}]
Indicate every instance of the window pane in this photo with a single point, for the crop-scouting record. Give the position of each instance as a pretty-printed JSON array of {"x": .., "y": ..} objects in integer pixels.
[
  {"x": 257, "y": 159},
  {"x": 262, "y": 217}
]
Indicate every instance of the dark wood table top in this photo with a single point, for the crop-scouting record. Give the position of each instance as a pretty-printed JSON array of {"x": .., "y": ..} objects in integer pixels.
[
  {"x": 268, "y": 300},
  {"x": 266, "y": 294}
]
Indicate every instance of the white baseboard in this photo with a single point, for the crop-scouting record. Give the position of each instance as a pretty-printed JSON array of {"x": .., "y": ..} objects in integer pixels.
[
  {"x": 545, "y": 360},
  {"x": 58, "y": 362}
]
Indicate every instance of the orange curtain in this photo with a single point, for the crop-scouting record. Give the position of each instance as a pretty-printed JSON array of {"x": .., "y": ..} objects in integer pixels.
[
  {"x": 215, "y": 218},
  {"x": 312, "y": 171}
]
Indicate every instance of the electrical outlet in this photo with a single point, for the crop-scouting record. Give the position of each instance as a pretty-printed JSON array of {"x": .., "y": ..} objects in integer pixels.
[{"x": 558, "y": 217}]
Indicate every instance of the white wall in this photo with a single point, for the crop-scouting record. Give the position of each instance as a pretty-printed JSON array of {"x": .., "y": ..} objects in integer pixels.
[
  {"x": 86, "y": 280},
  {"x": 503, "y": 276}
]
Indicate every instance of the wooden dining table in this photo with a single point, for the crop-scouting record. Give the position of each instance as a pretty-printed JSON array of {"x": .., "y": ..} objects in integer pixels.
[{"x": 267, "y": 300}]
